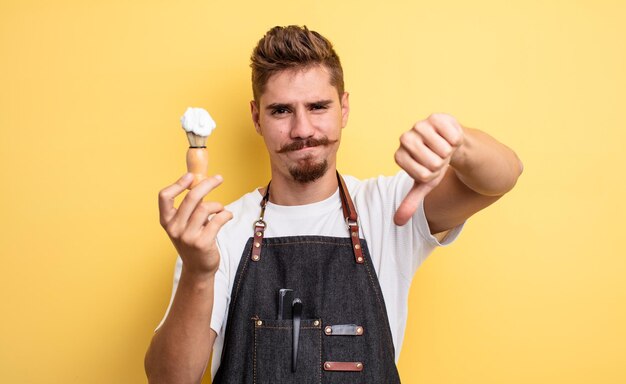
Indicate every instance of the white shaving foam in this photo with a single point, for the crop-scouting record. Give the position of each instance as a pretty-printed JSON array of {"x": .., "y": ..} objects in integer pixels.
[{"x": 198, "y": 121}]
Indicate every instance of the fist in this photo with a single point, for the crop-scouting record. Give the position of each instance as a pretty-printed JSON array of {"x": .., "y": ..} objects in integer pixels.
[{"x": 425, "y": 152}]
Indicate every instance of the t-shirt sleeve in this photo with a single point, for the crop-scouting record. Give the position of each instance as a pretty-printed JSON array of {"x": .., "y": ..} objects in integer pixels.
[
  {"x": 408, "y": 245},
  {"x": 221, "y": 294}
]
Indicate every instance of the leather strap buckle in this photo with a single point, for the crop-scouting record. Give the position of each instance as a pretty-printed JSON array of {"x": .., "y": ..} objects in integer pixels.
[{"x": 259, "y": 230}]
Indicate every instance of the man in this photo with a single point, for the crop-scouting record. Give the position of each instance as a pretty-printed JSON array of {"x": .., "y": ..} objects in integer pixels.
[{"x": 346, "y": 317}]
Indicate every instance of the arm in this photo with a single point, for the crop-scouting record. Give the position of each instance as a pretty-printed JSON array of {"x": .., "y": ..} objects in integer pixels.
[
  {"x": 457, "y": 171},
  {"x": 181, "y": 348}
]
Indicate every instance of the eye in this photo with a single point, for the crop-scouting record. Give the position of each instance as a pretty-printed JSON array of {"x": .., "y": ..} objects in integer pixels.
[
  {"x": 280, "y": 111},
  {"x": 318, "y": 107}
]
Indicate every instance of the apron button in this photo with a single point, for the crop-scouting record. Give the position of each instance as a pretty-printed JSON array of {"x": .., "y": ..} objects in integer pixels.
[
  {"x": 360, "y": 259},
  {"x": 328, "y": 330},
  {"x": 255, "y": 257},
  {"x": 359, "y": 330},
  {"x": 327, "y": 365}
]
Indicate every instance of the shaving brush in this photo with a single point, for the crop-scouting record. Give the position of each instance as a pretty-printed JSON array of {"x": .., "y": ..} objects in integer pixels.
[{"x": 198, "y": 125}]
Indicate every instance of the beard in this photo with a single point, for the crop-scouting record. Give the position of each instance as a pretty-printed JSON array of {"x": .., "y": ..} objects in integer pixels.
[{"x": 308, "y": 171}]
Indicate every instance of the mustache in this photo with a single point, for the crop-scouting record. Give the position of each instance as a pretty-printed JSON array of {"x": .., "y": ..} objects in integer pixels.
[{"x": 304, "y": 143}]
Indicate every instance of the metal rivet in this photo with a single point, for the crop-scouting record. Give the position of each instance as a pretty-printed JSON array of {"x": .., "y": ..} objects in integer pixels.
[
  {"x": 327, "y": 365},
  {"x": 328, "y": 330},
  {"x": 360, "y": 259},
  {"x": 359, "y": 330},
  {"x": 255, "y": 257},
  {"x": 354, "y": 234},
  {"x": 359, "y": 365},
  {"x": 316, "y": 323},
  {"x": 259, "y": 234},
  {"x": 257, "y": 245},
  {"x": 357, "y": 246},
  {"x": 259, "y": 323}
]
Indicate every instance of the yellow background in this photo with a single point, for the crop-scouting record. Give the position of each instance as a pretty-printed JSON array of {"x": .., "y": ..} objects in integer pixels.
[{"x": 534, "y": 291}]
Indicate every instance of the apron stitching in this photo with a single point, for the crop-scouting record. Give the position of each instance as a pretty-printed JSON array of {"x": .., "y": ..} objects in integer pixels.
[
  {"x": 369, "y": 273},
  {"x": 268, "y": 327},
  {"x": 319, "y": 365},
  {"x": 381, "y": 304},
  {"x": 310, "y": 242},
  {"x": 254, "y": 361},
  {"x": 243, "y": 270}
]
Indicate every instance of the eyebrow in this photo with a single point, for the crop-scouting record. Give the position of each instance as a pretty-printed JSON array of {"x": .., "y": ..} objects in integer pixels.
[
  {"x": 322, "y": 103},
  {"x": 278, "y": 106}
]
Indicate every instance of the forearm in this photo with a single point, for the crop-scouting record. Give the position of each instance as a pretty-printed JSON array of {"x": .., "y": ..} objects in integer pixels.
[
  {"x": 181, "y": 348},
  {"x": 485, "y": 165}
]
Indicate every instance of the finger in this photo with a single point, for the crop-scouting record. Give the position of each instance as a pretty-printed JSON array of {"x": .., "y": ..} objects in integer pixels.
[
  {"x": 215, "y": 224},
  {"x": 414, "y": 167},
  {"x": 427, "y": 158},
  {"x": 431, "y": 137},
  {"x": 200, "y": 215},
  {"x": 413, "y": 199},
  {"x": 419, "y": 143},
  {"x": 448, "y": 128},
  {"x": 411, "y": 203},
  {"x": 194, "y": 197},
  {"x": 167, "y": 196},
  {"x": 434, "y": 140}
]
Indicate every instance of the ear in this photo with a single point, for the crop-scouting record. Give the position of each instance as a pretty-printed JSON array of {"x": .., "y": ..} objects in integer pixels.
[
  {"x": 345, "y": 108},
  {"x": 254, "y": 111}
]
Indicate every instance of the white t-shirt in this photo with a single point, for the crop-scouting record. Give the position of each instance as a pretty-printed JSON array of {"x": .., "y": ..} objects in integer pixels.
[{"x": 396, "y": 252}]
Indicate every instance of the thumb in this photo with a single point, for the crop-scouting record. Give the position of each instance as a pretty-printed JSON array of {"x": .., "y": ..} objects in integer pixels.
[
  {"x": 411, "y": 202},
  {"x": 413, "y": 199}
]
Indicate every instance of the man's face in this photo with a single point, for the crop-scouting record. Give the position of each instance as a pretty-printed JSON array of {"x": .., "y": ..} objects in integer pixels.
[{"x": 300, "y": 117}]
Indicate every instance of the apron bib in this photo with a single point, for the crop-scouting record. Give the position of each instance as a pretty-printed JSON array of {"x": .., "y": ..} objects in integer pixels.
[{"x": 339, "y": 332}]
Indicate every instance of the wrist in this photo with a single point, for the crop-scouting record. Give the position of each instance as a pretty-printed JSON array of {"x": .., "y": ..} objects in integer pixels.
[{"x": 196, "y": 278}]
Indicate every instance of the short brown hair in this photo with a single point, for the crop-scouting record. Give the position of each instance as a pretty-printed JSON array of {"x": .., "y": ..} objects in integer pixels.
[{"x": 293, "y": 47}]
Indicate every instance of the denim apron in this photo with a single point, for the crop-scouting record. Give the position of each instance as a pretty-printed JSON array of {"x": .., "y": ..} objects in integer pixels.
[{"x": 338, "y": 331}]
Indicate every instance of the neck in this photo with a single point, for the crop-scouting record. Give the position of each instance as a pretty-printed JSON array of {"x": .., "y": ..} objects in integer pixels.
[{"x": 286, "y": 191}]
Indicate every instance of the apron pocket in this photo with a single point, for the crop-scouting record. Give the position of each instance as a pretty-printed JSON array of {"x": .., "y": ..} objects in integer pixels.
[{"x": 273, "y": 351}]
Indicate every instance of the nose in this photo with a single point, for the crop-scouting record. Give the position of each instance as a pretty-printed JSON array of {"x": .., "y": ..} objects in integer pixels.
[{"x": 302, "y": 127}]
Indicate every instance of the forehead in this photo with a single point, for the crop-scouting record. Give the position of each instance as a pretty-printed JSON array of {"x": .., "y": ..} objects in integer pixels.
[{"x": 299, "y": 85}]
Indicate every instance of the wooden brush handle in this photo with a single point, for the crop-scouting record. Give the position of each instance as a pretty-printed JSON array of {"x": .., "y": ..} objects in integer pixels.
[{"x": 198, "y": 164}]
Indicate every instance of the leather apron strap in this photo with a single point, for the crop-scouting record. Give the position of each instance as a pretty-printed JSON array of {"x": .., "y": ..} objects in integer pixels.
[{"x": 349, "y": 213}]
